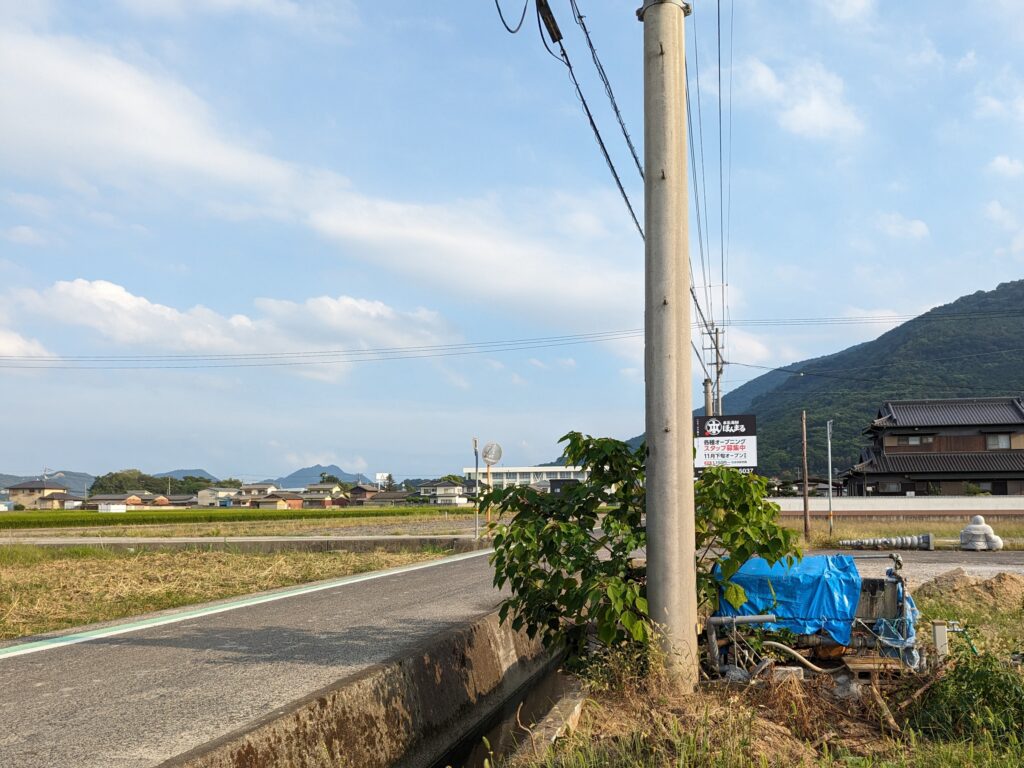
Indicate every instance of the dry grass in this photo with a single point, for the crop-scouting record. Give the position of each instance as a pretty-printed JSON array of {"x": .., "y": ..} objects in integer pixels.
[
  {"x": 451, "y": 525},
  {"x": 42, "y": 590}
]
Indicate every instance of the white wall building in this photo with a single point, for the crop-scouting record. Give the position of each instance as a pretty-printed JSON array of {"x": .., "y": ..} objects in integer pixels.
[{"x": 506, "y": 477}]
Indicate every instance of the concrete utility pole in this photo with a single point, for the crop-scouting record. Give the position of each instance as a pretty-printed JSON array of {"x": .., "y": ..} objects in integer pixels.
[
  {"x": 828, "y": 432},
  {"x": 671, "y": 559},
  {"x": 807, "y": 502},
  {"x": 709, "y": 398}
]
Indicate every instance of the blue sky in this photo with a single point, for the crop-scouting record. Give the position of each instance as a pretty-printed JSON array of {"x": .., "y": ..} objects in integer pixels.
[{"x": 182, "y": 177}]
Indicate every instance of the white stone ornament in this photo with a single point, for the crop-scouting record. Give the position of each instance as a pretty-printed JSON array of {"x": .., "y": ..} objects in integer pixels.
[{"x": 979, "y": 537}]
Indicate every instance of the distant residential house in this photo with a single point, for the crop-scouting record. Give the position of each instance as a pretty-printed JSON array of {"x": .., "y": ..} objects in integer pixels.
[
  {"x": 324, "y": 500},
  {"x": 183, "y": 500},
  {"x": 362, "y": 493},
  {"x": 943, "y": 447},
  {"x": 279, "y": 500},
  {"x": 30, "y": 492},
  {"x": 60, "y": 501},
  {"x": 254, "y": 490},
  {"x": 6, "y": 505},
  {"x": 211, "y": 497},
  {"x": 330, "y": 489},
  {"x": 389, "y": 499},
  {"x": 443, "y": 492},
  {"x": 106, "y": 499}
]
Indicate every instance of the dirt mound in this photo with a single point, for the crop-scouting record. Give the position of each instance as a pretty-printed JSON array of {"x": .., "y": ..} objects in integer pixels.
[{"x": 956, "y": 588}]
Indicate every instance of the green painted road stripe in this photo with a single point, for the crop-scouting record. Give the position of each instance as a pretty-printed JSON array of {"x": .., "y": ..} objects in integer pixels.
[{"x": 159, "y": 621}]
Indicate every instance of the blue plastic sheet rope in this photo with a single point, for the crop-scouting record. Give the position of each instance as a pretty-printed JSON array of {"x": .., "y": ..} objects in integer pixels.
[{"x": 825, "y": 586}]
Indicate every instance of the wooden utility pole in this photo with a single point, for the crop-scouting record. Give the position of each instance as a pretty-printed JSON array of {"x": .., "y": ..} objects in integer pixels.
[
  {"x": 807, "y": 501},
  {"x": 671, "y": 556}
]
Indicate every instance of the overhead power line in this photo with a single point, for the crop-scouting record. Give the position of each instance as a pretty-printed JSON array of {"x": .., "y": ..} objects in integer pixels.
[
  {"x": 546, "y": 18},
  {"x": 936, "y": 386},
  {"x": 522, "y": 17},
  {"x": 317, "y": 357},
  {"x": 581, "y": 22}
]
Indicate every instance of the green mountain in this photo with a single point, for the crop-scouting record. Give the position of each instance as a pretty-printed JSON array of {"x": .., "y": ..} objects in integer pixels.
[
  {"x": 77, "y": 482},
  {"x": 973, "y": 347}
]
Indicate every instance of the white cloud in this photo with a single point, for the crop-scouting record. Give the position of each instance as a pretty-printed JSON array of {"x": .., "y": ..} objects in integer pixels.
[
  {"x": 25, "y": 12},
  {"x": 967, "y": 62},
  {"x": 80, "y": 107},
  {"x": 927, "y": 56},
  {"x": 808, "y": 99},
  {"x": 308, "y": 13},
  {"x": 1001, "y": 97},
  {"x": 898, "y": 225},
  {"x": 537, "y": 363},
  {"x": 14, "y": 345},
  {"x": 1005, "y": 165},
  {"x": 24, "y": 235},
  {"x": 34, "y": 204},
  {"x": 632, "y": 374},
  {"x": 848, "y": 10},
  {"x": 343, "y": 324},
  {"x": 995, "y": 212},
  {"x": 88, "y": 117}
]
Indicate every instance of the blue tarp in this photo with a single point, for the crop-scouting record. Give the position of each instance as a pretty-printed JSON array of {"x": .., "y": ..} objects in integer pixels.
[{"x": 819, "y": 592}]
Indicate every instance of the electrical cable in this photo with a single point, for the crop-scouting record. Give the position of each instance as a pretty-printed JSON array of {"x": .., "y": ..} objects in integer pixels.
[
  {"x": 544, "y": 10},
  {"x": 522, "y": 17},
  {"x": 580, "y": 21},
  {"x": 703, "y": 174},
  {"x": 875, "y": 382}
]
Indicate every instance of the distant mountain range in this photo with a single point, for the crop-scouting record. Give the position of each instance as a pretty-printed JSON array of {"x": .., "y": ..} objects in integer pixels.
[
  {"x": 181, "y": 474},
  {"x": 309, "y": 475},
  {"x": 972, "y": 347},
  {"x": 79, "y": 482}
]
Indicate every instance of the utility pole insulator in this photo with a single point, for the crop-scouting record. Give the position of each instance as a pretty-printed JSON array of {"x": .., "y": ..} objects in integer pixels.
[{"x": 549, "y": 21}]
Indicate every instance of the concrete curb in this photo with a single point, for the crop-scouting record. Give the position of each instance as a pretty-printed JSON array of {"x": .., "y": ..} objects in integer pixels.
[
  {"x": 406, "y": 712},
  {"x": 560, "y": 722}
]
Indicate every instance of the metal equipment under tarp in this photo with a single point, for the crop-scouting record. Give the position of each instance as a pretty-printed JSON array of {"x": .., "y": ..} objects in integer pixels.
[
  {"x": 819, "y": 592},
  {"x": 831, "y": 610}
]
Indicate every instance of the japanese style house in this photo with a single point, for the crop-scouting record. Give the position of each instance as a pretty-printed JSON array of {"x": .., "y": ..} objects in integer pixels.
[{"x": 943, "y": 447}]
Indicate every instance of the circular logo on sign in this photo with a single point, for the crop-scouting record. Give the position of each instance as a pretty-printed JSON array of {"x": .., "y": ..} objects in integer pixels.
[{"x": 712, "y": 427}]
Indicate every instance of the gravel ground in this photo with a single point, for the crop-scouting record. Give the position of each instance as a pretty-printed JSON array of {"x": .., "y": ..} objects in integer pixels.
[{"x": 919, "y": 567}]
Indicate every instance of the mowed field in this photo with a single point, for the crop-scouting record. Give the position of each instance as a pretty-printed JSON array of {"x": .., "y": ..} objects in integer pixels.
[
  {"x": 88, "y": 519},
  {"x": 43, "y": 589}
]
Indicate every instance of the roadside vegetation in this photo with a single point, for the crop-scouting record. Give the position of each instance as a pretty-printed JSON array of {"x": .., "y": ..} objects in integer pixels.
[
  {"x": 43, "y": 589},
  {"x": 82, "y": 519},
  {"x": 969, "y": 711}
]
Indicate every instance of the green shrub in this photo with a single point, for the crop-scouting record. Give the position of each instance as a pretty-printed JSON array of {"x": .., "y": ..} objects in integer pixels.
[
  {"x": 980, "y": 697},
  {"x": 567, "y": 557}
]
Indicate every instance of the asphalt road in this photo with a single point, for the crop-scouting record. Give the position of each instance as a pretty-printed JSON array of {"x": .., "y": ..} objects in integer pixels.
[{"x": 139, "y": 698}]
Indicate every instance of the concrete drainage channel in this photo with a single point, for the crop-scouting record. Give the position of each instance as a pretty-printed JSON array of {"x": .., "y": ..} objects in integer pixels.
[{"x": 427, "y": 708}]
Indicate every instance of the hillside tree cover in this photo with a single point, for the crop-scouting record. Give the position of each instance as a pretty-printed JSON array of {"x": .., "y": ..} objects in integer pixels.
[
  {"x": 135, "y": 480},
  {"x": 973, "y": 347}
]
